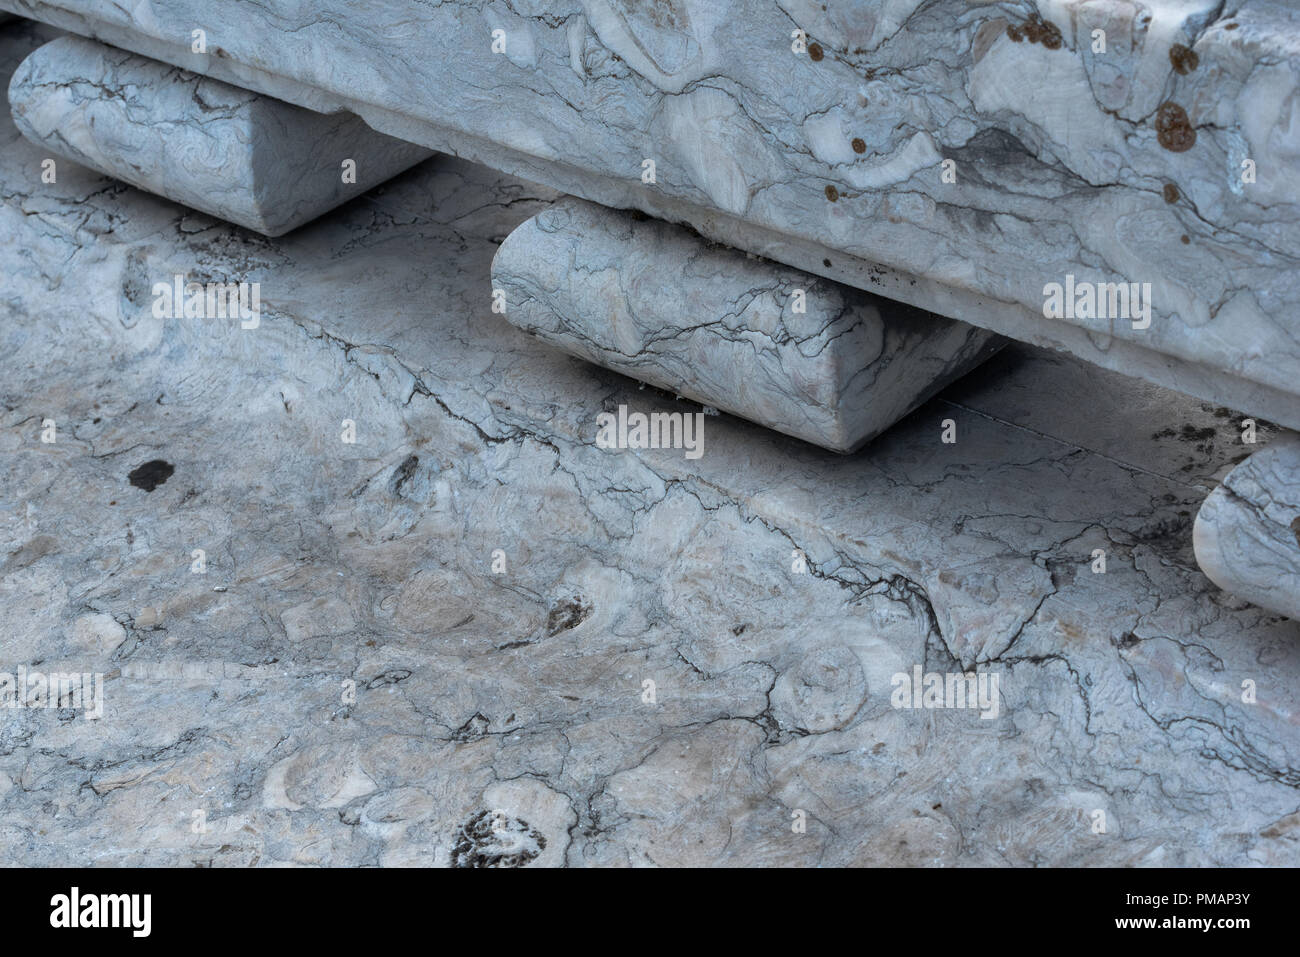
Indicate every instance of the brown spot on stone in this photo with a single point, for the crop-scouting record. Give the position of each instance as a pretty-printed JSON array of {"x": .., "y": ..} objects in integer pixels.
[
  {"x": 1173, "y": 128},
  {"x": 858, "y": 145},
  {"x": 815, "y": 52},
  {"x": 567, "y": 613},
  {"x": 1185, "y": 239},
  {"x": 1037, "y": 30},
  {"x": 1295, "y": 527},
  {"x": 1171, "y": 193},
  {"x": 832, "y": 193},
  {"x": 1230, "y": 26},
  {"x": 1183, "y": 58}
]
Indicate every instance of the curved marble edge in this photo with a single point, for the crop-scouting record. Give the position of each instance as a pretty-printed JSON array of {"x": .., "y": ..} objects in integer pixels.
[{"x": 1247, "y": 533}]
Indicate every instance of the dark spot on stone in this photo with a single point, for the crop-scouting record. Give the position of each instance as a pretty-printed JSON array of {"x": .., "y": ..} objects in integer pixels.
[
  {"x": 494, "y": 839},
  {"x": 96, "y": 421},
  {"x": 1295, "y": 527},
  {"x": 826, "y": 263},
  {"x": 832, "y": 193},
  {"x": 1230, "y": 26},
  {"x": 402, "y": 473},
  {"x": 151, "y": 474},
  {"x": 567, "y": 613},
  {"x": 1173, "y": 129},
  {"x": 1127, "y": 640},
  {"x": 1186, "y": 240},
  {"x": 1183, "y": 58},
  {"x": 475, "y": 727},
  {"x": 1037, "y": 30},
  {"x": 815, "y": 52},
  {"x": 740, "y": 629},
  {"x": 393, "y": 677},
  {"x": 1192, "y": 434},
  {"x": 858, "y": 145},
  {"x": 1171, "y": 193}
]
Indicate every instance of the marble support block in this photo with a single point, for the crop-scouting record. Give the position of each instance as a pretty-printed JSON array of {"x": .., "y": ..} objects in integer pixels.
[
  {"x": 959, "y": 157},
  {"x": 800, "y": 354},
  {"x": 1247, "y": 533},
  {"x": 232, "y": 153}
]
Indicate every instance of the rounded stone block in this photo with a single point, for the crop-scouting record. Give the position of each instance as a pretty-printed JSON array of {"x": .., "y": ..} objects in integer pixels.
[
  {"x": 237, "y": 155},
  {"x": 1247, "y": 533},
  {"x": 800, "y": 354}
]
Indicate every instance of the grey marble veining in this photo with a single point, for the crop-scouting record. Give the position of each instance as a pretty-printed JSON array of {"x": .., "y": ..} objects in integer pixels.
[
  {"x": 808, "y": 357},
  {"x": 1247, "y": 534},
  {"x": 229, "y": 152},
  {"x": 350, "y": 681},
  {"x": 954, "y": 156}
]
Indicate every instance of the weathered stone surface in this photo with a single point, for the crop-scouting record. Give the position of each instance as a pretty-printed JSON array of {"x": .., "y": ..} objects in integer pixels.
[
  {"x": 808, "y": 357},
  {"x": 1247, "y": 532},
  {"x": 1123, "y": 164},
  {"x": 234, "y": 154},
  {"x": 497, "y": 711}
]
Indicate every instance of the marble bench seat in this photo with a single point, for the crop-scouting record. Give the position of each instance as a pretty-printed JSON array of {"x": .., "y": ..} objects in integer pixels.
[{"x": 966, "y": 159}]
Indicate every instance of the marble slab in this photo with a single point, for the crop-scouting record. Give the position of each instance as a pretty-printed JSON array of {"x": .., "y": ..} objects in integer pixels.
[
  {"x": 962, "y": 158},
  {"x": 238, "y": 155},
  {"x": 807, "y": 357},
  {"x": 1247, "y": 533},
  {"x": 430, "y": 645}
]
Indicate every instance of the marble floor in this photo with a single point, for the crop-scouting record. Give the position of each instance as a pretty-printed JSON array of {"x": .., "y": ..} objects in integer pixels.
[{"x": 470, "y": 636}]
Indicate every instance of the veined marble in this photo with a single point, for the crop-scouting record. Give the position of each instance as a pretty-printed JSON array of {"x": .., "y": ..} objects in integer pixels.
[
  {"x": 229, "y": 152},
  {"x": 431, "y": 645},
  {"x": 1247, "y": 534},
  {"x": 807, "y": 357},
  {"x": 959, "y": 157}
]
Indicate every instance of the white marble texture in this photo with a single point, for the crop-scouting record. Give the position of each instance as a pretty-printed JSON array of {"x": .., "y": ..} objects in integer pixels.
[
  {"x": 1247, "y": 533},
  {"x": 1122, "y": 164},
  {"x": 807, "y": 357},
  {"x": 522, "y": 693},
  {"x": 238, "y": 155}
]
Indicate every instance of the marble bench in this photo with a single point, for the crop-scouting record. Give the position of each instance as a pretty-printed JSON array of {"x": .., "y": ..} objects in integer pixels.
[
  {"x": 966, "y": 159},
  {"x": 1114, "y": 180}
]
